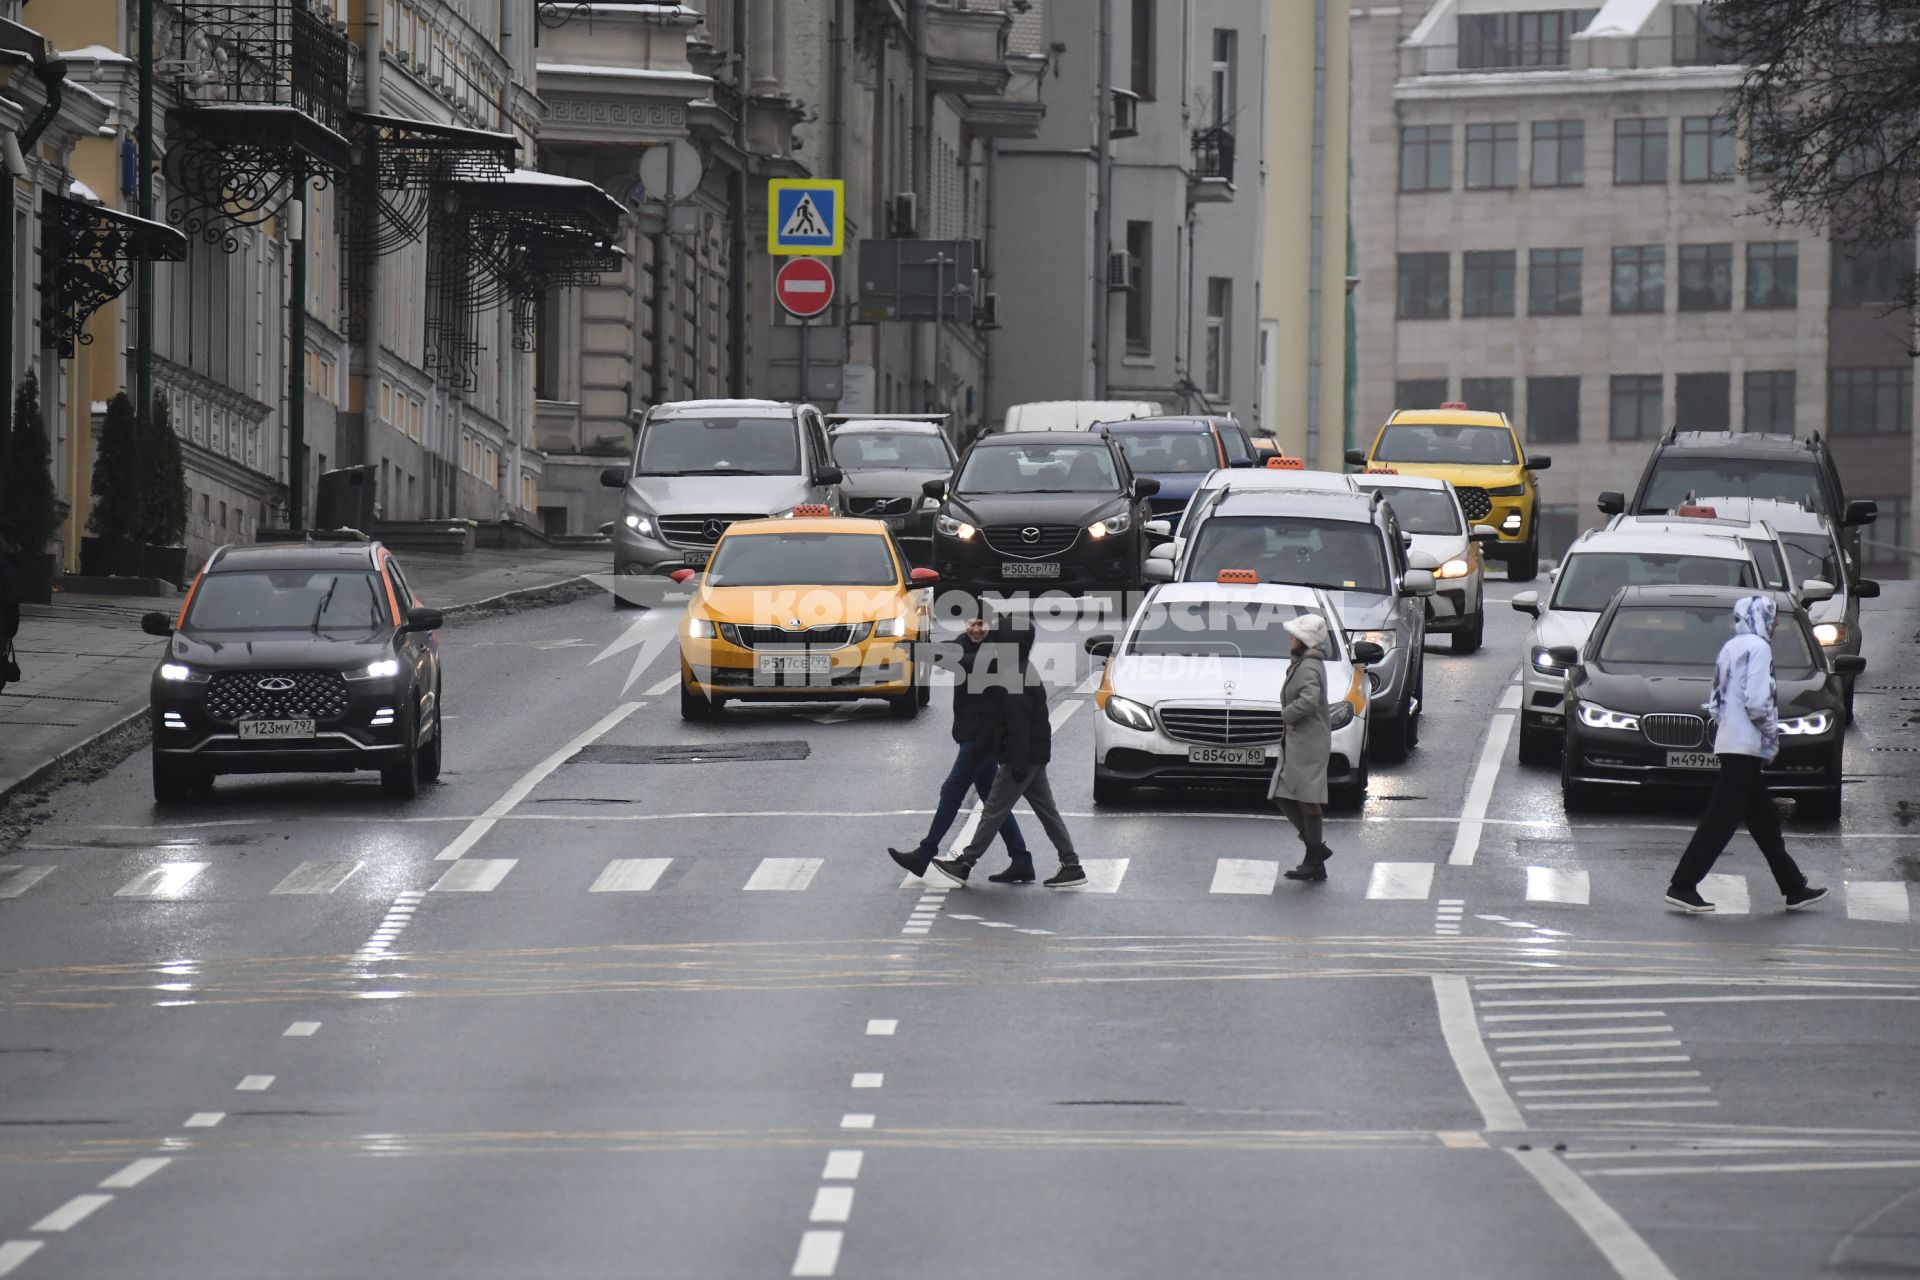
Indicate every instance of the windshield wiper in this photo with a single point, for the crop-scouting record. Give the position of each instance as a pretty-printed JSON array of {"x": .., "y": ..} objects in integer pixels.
[{"x": 325, "y": 600}]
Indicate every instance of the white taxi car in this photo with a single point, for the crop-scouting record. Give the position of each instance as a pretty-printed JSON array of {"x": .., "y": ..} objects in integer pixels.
[
  {"x": 1191, "y": 695},
  {"x": 1432, "y": 518}
]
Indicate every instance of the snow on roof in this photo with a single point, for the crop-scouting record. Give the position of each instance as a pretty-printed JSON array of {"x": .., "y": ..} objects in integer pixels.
[
  {"x": 623, "y": 73},
  {"x": 94, "y": 53},
  {"x": 79, "y": 190},
  {"x": 535, "y": 178},
  {"x": 1622, "y": 18}
]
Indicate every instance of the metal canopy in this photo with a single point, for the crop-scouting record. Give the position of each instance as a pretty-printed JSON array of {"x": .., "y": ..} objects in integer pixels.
[{"x": 86, "y": 262}]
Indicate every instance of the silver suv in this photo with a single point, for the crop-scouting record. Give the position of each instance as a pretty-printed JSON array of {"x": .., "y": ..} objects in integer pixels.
[{"x": 699, "y": 465}]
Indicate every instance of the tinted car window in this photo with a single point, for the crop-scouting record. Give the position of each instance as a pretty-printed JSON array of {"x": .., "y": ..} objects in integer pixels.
[
  {"x": 891, "y": 451},
  {"x": 1234, "y": 440},
  {"x": 720, "y": 446},
  {"x": 1063, "y": 468},
  {"x": 1436, "y": 443},
  {"x": 1812, "y": 555},
  {"x": 1773, "y": 566},
  {"x": 1691, "y": 636},
  {"x": 803, "y": 559},
  {"x": 1216, "y": 629},
  {"x": 1342, "y": 555},
  {"x": 1675, "y": 477},
  {"x": 1168, "y": 452},
  {"x": 1588, "y": 579},
  {"x": 1422, "y": 510},
  {"x": 323, "y": 601}
]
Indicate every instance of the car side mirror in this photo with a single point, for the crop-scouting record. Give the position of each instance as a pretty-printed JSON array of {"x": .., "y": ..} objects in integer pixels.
[
  {"x": 156, "y": 624},
  {"x": 1158, "y": 528},
  {"x": 1484, "y": 533},
  {"x": 1867, "y": 589},
  {"x": 1814, "y": 590},
  {"x": 614, "y": 477},
  {"x": 829, "y": 475},
  {"x": 1539, "y": 462},
  {"x": 1368, "y": 654},
  {"x": 924, "y": 577},
  {"x": 683, "y": 576},
  {"x": 1262, "y": 456},
  {"x": 1157, "y": 569},
  {"x": 606, "y": 530},
  {"x": 1100, "y": 646},
  {"x": 1849, "y": 664},
  {"x": 1145, "y": 487},
  {"x": 1417, "y": 582},
  {"x": 1356, "y": 457},
  {"x": 1612, "y": 503},
  {"x": 935, "y": 489},
  {"x": 1240, "y": 462},
  {"x": 1862, "y": 511},
  {"x": 1564, "y": 656},
  {"x": 1421, "y": 559},
  {"x": 1406, "y": 539},
  {"x": 424, "y": 620},
  {"x": 1527, "y": 602}
]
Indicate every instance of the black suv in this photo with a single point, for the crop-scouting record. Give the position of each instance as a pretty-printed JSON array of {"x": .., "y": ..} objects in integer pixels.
[
  {"x": 1042, "y": 509},
  {"x": 1746, "y": 464},
  {"x": 303, "y": 657}
]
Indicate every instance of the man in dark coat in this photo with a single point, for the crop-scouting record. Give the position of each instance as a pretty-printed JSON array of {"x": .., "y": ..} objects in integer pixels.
[
  {"x": 9, "y": 611},
  {"x": 972, "y": 768},
  {"x": 1014, "y": 724}
]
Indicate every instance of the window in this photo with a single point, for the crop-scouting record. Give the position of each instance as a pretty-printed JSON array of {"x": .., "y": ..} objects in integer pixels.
[
  {"x": 1553, "y": 410},
  {"x": 1639, "y": 279},
  {"x": 1869, "y": 274},
  {"x": 1488, "y": 395},
  {"x": 1633, "y": 411},
  {"x": 1870, "y": 401},
  {"x": 1538, "y": 39},
  {"x": 1219, "y": 353},
  {"x": 1700, "y": 402},
  {"x": 1426, "y": 157},
  {"x": 1486, "y": 283},
  {"x": 1140, "y": 78},
  {"x": 1559, "y": 153},
  {"x": 1140, "y": 297},
  {"x": 1553, "y": 282},
  {"x": 1706, "y": 277},
  {"x": 1769, "y": 401},
  {"x": 1423, "y": 286},
  {"x": 1639, "y": 151},
  {"x": 1493, "y": 156},
  {"x": 1894, "y": 528},
  {"x": 1419, "y": 393},
  {"x": 1773, "y": 276},
  {"x": 1706, "y": 149},
  {"x": 1226, "y": 76},
  {"x": 1699, "y": 38}
]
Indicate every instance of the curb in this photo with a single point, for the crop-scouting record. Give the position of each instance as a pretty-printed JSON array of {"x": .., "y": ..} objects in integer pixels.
[{"x": 130, "y": 710}]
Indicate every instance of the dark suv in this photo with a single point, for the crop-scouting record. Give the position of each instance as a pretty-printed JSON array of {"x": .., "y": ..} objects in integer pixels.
[
  {"x": 306, "y": 657},
  {"x": 1746, "y": 464},
  {"x": 1042, "y": 509}
]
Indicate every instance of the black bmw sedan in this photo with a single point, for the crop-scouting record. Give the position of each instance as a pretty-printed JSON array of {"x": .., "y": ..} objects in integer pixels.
[
  {"x": 1636, "y": 695},
  {"x": 1042, "y": 510}
]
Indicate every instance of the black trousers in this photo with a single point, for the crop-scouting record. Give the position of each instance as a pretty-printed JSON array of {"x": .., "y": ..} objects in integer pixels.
[{"x": 1739, "y": 794}]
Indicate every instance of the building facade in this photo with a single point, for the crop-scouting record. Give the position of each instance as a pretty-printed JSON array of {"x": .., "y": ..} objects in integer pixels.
[{"x": 1552, "y": 218}]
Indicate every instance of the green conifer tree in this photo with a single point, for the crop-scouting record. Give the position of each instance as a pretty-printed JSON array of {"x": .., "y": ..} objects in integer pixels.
[
  {"x": 29, "y": 508},
  {"x": 117, "y": 478}
]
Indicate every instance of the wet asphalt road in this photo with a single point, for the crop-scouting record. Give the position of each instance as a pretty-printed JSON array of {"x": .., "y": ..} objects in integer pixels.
[{"x": 585, "y": 1011}]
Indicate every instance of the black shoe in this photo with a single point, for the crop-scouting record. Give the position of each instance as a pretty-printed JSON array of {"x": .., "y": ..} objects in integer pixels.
[
  {"x": 954, "y": 869},
  {"x": 1069, "y": 876},
  {"x": 1322, "y": 854},
  {"x": 1805, "y": 896},
  {"x": 1016, "y": 873},
  {"x": 914, "y": 862},
  {"x": 1313, "y": 869},
  {"x": 1689, "y": 901}
]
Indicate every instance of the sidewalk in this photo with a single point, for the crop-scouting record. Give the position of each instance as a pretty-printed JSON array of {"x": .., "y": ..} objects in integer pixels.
[{"x": 87, "y": 664}]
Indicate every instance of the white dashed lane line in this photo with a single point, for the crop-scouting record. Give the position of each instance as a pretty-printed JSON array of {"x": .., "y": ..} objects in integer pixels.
[
  {"x": 631, "y": 875},
  {"x": 856, "y": 1120},
  {"x": 167, "y": 881},
  {"x": 882, "y": 1026},
  {"x": 72, "y": 1213},
  {"x": 254, "y": 1084},
  {"x": 784, "y": 874},
  {"x": 301, "y": 1029},
  {"x": 135, "y": 1174},
  {"x": 819, "y": 1254},
  {"x": 15, "y": 1252},
  {"x": 204, "y": 1119}
]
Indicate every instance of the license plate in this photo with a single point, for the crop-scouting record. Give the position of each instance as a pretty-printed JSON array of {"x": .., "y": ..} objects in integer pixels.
[
  {"x": 698, "y": 559},
  {"x": 1030, "y": 569},
  {"x": 1692, "y": 760},
  {"x": 276, "y": 728},
  {"x": 795, "y": 664},
  {"x": 1227, "y": 755}
]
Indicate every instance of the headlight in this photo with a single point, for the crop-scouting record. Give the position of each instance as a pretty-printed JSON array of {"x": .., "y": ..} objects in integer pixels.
[
  {"x": 1543, "y": 662},
  {"x": 700, "y": 628},
  {"x": 1818, "y": 722},
  {"x": 382, "y": 669},
  {"x": 641, "y": 525},
  {"x": 178, "y": 673},
  {"x": 1129, "y": 713},
  {"x": 1454, "y": 568},
  {"x": 1340, "y": 714},
  {"x": 1507, "y": 491},
  {"x": 1111, "y": 525},
  {"x": 891, "y": 628},
  {"x": 1830, "y": 633},
  {"x": 1595, "y": 716},
  {"x": 955, "y": 528}
]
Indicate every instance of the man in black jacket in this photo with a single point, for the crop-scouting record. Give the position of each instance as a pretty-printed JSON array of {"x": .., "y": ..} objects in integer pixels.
[
  {"x": 1014, "y": 723},
  {"x": 972, "y": 767},
  {"x": 9, "y": 611}
]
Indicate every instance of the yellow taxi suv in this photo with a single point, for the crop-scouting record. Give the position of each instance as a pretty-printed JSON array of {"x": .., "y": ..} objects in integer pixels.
[
  {"x": 807, "y": 608},
  {"x": 1481, "y": 456}
]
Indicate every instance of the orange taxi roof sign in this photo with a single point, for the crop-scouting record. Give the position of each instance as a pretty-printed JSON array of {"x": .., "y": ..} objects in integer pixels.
[
  {"x": 1287, "y": 464},
  {"x": 1453, "y": 404},
  {"x": 1383, "y": 471},
  {"x": 813, "y": 511},
  {"x": 1238, "y": 578},
  {"x": 1695, "y": 511}
]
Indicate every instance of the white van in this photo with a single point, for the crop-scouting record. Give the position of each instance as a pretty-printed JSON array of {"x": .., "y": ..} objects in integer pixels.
[{"x": 1075, "y": 415}]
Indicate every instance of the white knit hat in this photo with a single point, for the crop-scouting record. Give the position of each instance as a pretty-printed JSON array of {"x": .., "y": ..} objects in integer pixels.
[{"x": 1309, "y": 629}]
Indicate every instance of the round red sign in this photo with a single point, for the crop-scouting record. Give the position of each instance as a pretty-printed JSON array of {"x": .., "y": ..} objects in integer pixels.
[{"x": 804, "y": 287}]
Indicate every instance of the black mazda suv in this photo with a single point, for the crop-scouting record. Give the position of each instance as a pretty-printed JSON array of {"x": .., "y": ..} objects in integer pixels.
[
  {"x": 294, "y": 658},
  {"x": 1042, "y": 510}
]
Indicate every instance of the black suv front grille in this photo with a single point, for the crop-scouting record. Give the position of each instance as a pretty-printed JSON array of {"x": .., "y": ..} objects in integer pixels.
[
  {"x": 276, "y": 695},
  {"x": 1223, "y": 726},
  {"x": 698, "y": 530},
  {"x": 1474, "y": 501},
  {"x": 1031, "y": 541}
]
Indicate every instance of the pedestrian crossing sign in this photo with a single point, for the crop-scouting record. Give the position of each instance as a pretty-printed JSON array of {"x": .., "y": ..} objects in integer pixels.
[{"x": 806, "y": 216}]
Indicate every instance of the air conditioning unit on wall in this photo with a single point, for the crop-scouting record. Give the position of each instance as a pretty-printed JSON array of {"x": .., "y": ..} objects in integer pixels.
[{"x": 1120, "y": 273}]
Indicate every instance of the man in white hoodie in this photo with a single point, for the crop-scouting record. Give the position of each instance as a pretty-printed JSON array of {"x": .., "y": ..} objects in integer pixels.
[{"x": 1746, "y": 736}]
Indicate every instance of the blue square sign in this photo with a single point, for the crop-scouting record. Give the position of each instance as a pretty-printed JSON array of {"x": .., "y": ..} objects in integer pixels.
[{"x": 806, "y": 216}]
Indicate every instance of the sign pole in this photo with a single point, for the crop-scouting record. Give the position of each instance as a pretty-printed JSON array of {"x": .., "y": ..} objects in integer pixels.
[{"x": 806, "y": 369}]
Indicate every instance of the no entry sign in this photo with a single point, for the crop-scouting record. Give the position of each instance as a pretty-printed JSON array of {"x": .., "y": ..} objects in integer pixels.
[{"x": 804, "y": 287}]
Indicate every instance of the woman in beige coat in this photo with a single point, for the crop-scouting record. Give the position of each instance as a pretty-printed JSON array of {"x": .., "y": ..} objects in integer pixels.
[{"x": 1299, "y": 784}]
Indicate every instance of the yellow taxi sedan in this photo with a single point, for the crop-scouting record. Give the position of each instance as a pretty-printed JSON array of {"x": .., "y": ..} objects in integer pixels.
[{"x": 807, "y": 608}]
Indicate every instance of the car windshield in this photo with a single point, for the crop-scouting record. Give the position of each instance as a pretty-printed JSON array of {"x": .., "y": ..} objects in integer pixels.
[
  {"x": 1588, "y": 579},
  {"x": 891, "y": 451},
  {"x": 802, "y": 559},
  {"x": 322, "y": 601},
  {"x": 720, "y": 446},
  {"x": 1422, "y": 510},
  {"x": 1442, "y": 444},
  {"x": 1668, "y": 635},
  {"x": 1216, "y": 629},
  {"x": 1812, "y": 556},
  {"x": 1168, "y": 452},
  {"x": 1339, "y": 555},
  {"x": 1678, "y": 476},
  {"x": 1039, "y": 468}
]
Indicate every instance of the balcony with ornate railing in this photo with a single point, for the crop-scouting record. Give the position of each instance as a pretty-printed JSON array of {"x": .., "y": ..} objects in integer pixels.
[{"x": 1211, "y": 174}]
